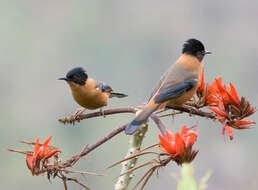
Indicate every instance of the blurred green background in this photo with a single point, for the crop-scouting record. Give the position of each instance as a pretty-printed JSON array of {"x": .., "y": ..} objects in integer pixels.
[{"x": 127, "y": 44}]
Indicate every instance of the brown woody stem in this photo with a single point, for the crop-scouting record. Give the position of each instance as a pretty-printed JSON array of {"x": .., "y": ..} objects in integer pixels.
[
  {"x": 193, "y": 111},
  {"x": 89, "y": 148}
]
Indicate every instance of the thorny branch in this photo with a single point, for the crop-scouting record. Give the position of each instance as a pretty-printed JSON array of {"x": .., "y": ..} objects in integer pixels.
[
  {"x": 80, "y": 117},
  {"x": 194, "y": 111},
  {"x": 154, "y": 163},
  {"x": 191, "y": 109},
  {"x": 88, "y": 148},
  {"x": 159, "y": 124},
  {"x": 58, "y": 168},
  {"x": 184, "y": 108}
]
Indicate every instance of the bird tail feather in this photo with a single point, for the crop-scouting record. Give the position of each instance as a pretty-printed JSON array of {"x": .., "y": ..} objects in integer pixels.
[
  {"x": 132, "y": 127},
  {"x": 118, "y": 95}
]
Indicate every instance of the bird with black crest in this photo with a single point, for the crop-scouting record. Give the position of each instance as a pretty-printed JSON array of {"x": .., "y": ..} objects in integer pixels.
[
  {"x": 177, "y": 85},
  {"x": 87, "y": 92}
]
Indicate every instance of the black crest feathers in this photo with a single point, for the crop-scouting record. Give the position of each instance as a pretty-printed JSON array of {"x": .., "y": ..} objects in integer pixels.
[{"x": 77, "y": 75}]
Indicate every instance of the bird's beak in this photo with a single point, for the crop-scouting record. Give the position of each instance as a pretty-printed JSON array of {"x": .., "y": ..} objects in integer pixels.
[
  {"x": 207, "y": 52},
  {"x": 63, "y": 78}
]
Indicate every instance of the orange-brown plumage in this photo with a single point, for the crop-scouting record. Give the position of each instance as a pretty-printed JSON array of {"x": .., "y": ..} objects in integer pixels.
[
  {"x": 192, "y": 64},
  {"x": 87, "y": 92},
  {"x": 88, "y": 96},
  {"x": 177, "y": 85}
]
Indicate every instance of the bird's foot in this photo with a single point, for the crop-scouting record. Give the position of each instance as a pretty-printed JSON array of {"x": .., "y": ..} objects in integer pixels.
[
  {"x": 102, "y": 112},
  {"x": 73, "y": 118},
  {"x": 76, "y": 115}
]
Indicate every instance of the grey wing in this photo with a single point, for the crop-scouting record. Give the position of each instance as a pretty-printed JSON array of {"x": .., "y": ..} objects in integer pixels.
[
  {"x": 158, "y": 84},
  {"x": 103, "y": 87},
  {"x": 176, "y": 81},
  {"x": 175, "y": 91},
  {"x": 176, "y": 75}
]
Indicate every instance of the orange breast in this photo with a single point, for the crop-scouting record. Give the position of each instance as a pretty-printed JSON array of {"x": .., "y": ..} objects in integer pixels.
[{"x": 88, "y": 96}]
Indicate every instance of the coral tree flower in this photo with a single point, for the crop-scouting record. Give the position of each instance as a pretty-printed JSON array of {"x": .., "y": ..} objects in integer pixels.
[
  {"x": 189, "y": 136},
  {"x": 41, "y": 152},
  {"x": 202, "y": 83},
  {"x": 229, "y": 131},
  {"x": 224, "y": 101},
  {"x": 216, "y": 94},
  {"x": 230, "y": 110},
  {"x": 241, "y": 124},
  {"x": 172, "y": 144},
  {"x": 206, "y": 92},
  {"x": 179, "y": 145}
]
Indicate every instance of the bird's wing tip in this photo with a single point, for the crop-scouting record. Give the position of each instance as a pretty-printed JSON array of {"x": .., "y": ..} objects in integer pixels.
[{"x": 132, "y": 127}]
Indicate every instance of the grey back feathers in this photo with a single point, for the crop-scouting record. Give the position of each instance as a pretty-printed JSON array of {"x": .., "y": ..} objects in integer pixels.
[
  {"x": 175, "y": 91},
  {"x": 177, "y": 74},
  {"x": 106, "y": 88},
  {"x": 173, "y": 76},
  {"x": 103, "y": 87}
]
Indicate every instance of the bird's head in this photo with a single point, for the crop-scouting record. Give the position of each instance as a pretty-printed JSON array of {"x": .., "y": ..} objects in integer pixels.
[
  {"x": 76, "y": 75},
  {"x": 196, "y": 48}
]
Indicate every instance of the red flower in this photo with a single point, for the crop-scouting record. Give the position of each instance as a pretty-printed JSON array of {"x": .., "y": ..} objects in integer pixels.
[
  {"x": 29, "y": 161},
  {"x": 222, "y": 90},
  {"x": 232, "y": 93},
  {"x": 207, "y": 93},
  {"x": 41, "y": 152},
  {"x": 241, "y": 124},
  {"x": 218, "y": 111},
  {"x": 228, "y": 130},
  {"x": 189, "y": 136},
  {"x": 179, "y": 145},
  {"x": 212, "y": 95},
  {"x": 218, "y": 94},
  {"x": 221, "y": 94},
  {"x": 225, "y": 103},
  {"x": 172, "y": 144},
  {"x": 202, "y": 83}
]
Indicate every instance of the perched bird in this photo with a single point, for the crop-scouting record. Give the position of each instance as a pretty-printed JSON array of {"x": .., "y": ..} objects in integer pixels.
[
  {"x": 87, "y": 92},
  {"x": 177, "y": 85}
]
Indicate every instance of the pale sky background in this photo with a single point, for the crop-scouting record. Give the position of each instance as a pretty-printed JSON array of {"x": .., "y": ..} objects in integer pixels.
[{"x": 127, "y": 44}]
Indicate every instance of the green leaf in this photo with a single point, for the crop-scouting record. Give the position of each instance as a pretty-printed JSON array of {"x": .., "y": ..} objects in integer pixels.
[{"x": 187, "y": 181}]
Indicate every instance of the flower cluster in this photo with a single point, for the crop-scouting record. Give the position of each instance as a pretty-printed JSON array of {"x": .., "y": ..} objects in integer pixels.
[
  {"x": 224, "y": 101},
  {"x": 41, "y": 153},
  {"x": 179, "y": 145}
]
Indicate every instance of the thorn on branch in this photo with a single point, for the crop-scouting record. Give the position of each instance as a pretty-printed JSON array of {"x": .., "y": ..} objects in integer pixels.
[{"x": 71, "y": 119}]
